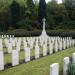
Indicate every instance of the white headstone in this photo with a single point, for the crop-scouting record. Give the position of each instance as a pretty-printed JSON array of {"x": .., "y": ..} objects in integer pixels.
[
  {"x": 1, "y": 61},
  {"x": 9, "y": 47},
  {"x": 2, "y": 36},
  {"x": 1, "y": 45},
  {"x": 27, "y": 54},
  {"x": 70, "y": 41},
  {"x": 10, "y": 36},
  {"x": 44, "y": 50},
  {"x": 7, "y": 36},
  {"x": 18, "y": 46},
  {"x": 65, "y": 65},
  {"x": 73, "y": 57},
  {"x": 13, "y": 36},
  {"x": 67, "y": 42},
  {"x": 6, "y": 42},
  {"x": 64, "y": 43},
  {"x": 31, "y": 44},
  {"x": 13, "y": 43},
  {"x": 54, "y": 69},
  {"x": 36, "y": 52},
  {"x": 51, "y": 48},
  {"x": 15, "y": 57},
  {"x": 41, "y": 42},
  {"x": 60, "y": 44},
  {"x": 56, "y": 46},
  {"x": 25, "y": 44}
]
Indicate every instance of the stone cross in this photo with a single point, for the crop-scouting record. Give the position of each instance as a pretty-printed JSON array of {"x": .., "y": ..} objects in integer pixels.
[{"x": 44, "y": 20}]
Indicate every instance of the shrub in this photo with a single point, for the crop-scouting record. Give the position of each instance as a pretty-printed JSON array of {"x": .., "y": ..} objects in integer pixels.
[
  {"x": 22, "y": 33},
  {"x": 71, "y": 69}
]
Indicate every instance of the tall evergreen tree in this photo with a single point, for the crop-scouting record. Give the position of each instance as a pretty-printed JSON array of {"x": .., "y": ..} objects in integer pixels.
[
  {"x": 41, "y": 10},
  {"x": 30, "y": 8},
  {"x": 15, "y": 13}
]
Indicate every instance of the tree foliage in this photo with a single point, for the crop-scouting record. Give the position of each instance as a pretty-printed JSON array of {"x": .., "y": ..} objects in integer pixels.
[
  {"x": 41, "y": 10},
  {"x": 15, "y": 13},
  {"x": 28, "y": 14}
]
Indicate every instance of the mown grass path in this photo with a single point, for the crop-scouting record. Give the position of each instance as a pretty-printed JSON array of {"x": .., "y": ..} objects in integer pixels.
[{"x": 40, "y": 66}]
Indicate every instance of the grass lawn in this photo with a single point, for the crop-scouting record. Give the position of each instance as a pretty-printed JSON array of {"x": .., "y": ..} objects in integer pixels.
[{"x": 40, "y": 66}]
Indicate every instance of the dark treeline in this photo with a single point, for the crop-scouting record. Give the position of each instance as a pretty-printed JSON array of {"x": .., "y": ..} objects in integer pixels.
[{"x": 28, "y": 15}]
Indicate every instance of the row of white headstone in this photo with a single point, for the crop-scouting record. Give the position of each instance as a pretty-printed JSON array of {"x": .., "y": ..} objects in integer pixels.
[
  {"x": 54, "y": 68},
  {"x": 14, "y": 57},
  {"x": 7, "y": 36},
  {"x": 53, "y": 43}
]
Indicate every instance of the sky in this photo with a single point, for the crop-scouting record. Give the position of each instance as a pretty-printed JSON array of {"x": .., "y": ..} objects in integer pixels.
[{"x": 59, "y": 1}]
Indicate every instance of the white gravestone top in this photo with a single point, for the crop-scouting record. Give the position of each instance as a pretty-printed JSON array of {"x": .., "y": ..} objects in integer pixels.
[
  {"x": 15, "y": 57},
  {"x": 1, "y": 60},
  {"x": 27, "y": 54},
  {"x": 65, "y": 65},
  {"x": 54, "y": 69}
]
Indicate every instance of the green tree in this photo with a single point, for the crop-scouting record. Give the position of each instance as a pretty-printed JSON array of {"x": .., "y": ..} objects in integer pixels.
[
  {"x": 41, "y": 10},
  {"x": 15, "y": 13},
  {"x": 30, "y": 9},
  {"x": 56, "y": 17},
  {"x": 70, "y": 8}
]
